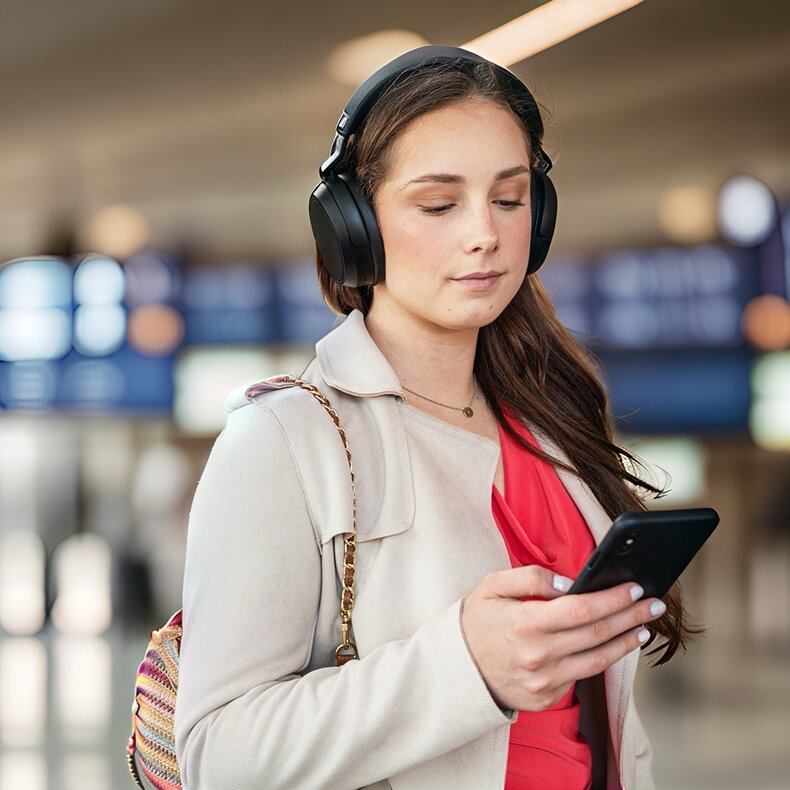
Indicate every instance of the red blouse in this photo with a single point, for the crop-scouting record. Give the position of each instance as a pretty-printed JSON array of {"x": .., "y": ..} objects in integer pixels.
[{"x": 541, "y": 525}]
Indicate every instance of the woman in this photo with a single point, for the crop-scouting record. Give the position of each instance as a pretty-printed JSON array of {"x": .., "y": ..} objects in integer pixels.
[{"x": 485, "y": 474}]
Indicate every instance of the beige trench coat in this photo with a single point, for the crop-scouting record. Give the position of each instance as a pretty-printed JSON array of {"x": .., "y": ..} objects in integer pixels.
[{"x": 261, "y": 703}]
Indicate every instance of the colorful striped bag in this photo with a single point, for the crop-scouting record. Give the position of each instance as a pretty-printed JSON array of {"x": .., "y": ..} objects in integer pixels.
[{"x": 150, "y": 751}]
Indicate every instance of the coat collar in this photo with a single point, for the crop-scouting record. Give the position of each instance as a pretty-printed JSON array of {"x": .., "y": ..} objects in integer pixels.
[{"x": 351, "y": 362}]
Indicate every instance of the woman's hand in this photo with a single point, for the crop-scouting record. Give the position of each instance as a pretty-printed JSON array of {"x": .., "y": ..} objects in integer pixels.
[{"x": 530, "y": 652}]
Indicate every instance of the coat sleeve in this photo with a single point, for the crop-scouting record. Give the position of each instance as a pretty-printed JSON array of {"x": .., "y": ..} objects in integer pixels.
[{"x": 247, "y": 714}]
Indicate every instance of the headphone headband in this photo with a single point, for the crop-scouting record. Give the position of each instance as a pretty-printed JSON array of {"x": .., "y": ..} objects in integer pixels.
[{"x": 365, "y": 95}]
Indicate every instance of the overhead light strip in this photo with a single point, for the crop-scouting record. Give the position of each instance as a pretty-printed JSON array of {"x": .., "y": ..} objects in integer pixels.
[{"x": 543, "y": 27}]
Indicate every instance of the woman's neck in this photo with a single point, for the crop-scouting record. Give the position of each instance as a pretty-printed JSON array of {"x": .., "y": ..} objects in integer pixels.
[{"x": 429, "y": 359}]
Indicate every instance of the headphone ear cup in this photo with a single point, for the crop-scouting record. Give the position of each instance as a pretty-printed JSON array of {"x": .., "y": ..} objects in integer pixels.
[
  {"x": 346, "y": 232},
  {"x": 543, "y": 197}
]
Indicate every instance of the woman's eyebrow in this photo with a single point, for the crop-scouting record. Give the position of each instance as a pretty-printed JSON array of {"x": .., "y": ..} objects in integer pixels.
[{"x": 450, "y": 178}]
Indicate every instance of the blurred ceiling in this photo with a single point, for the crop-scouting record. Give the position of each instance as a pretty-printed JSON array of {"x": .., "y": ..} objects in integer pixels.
[{"x": 213, "y": 117}]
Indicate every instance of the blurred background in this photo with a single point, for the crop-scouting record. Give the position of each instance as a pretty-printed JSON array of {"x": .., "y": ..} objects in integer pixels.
[{"x": 155, "y": 163}]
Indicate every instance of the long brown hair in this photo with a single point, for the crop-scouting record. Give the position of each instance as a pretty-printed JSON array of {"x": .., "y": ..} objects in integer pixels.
[{"x": 525, "y": 359}]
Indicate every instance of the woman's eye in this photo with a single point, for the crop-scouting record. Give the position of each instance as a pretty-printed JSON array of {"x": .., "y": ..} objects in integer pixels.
[
  {"x": 509, "y": 204},
  {"x": 436, "y": 209}
]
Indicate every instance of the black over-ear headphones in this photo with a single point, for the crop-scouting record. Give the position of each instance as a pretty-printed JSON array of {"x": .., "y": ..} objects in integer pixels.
[{"x": 342, "y": 219}]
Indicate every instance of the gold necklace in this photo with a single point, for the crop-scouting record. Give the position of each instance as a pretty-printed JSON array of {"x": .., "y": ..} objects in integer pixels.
[{"x": 467, "y": 410}]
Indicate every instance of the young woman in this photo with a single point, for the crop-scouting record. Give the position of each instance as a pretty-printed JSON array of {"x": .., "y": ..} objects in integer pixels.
[{"x": 485, "y": 473}]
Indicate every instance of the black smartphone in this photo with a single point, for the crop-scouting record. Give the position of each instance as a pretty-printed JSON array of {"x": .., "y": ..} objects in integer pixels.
[{"x": 650, "y": 547}]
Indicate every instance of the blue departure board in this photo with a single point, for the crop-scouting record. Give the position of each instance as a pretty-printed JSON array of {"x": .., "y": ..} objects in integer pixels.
[{"x": 655, "y": 298}]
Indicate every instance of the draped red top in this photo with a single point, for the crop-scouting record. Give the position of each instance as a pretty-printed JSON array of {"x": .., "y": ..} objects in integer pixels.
[{"x": 541, "y": 525}]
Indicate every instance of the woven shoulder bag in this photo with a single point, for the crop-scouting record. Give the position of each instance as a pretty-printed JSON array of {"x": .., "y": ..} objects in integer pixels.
[{"x": 150, "y": 752}]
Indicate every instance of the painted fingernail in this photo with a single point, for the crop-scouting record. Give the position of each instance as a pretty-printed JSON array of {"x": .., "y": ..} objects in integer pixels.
[
  {"x": 561, "y": 583},
  {"x": 643, "y": 635},
  {"x": 636, "y": 592},
  {"x": 657, "y": 608}
]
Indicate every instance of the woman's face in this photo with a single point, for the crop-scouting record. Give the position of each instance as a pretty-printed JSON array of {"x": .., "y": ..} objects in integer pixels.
[{"x": 455, "y": 202}]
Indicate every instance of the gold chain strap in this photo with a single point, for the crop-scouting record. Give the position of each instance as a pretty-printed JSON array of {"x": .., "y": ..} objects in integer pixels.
[{"x": 346, "y": 650}]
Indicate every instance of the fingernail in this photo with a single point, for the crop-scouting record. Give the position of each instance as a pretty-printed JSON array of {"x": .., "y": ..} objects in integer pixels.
[
  {"x": 561, "y": 583},
  {"x": 643, "y": 635},
  {"x": 657, "y": 608},
  {"x": 636, "y": 592}
]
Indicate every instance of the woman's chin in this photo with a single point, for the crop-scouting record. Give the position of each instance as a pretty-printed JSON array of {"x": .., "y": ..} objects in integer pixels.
[
  {"x": 460, "y": 313},
  {"x": 468, "y": 316}
]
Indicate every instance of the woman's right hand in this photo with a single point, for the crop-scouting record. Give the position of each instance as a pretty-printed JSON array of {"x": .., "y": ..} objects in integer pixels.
[{"x": 530, "y": 652}]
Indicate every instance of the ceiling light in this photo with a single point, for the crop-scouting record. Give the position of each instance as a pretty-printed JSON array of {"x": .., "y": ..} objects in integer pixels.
[
  {"x": 543, "y": 27},
  {"x": 356, "y": 59},
  {"x": 116, "y": 230},
  {"x": 688, "y": 214}
]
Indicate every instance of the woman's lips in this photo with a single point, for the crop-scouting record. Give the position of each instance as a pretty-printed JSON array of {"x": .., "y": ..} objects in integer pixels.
[{"x": 478, "y": 283}]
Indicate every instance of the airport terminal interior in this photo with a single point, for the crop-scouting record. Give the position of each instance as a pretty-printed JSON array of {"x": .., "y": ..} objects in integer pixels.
[{"x": 156, "y": 159}]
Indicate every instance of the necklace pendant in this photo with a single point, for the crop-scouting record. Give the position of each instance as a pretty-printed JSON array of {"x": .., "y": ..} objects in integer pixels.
[{"x": 468, "y": 411}]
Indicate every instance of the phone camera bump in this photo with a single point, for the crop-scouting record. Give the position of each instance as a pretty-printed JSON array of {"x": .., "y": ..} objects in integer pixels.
[{"x": 627, "y": 545}]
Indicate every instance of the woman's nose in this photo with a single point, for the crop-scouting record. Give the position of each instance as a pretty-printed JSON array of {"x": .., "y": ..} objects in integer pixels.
[{"x": 481, "y": 232}]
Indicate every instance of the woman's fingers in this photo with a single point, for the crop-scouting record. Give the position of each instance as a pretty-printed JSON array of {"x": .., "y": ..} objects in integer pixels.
[
  {"x": 574, "y": 611},
  {"x": 592, "y": 662},
  {"x": 586, "y": 637}
]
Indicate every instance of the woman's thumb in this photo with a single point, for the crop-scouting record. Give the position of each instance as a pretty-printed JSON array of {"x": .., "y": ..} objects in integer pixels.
[{"x": 529, "y": 581}]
